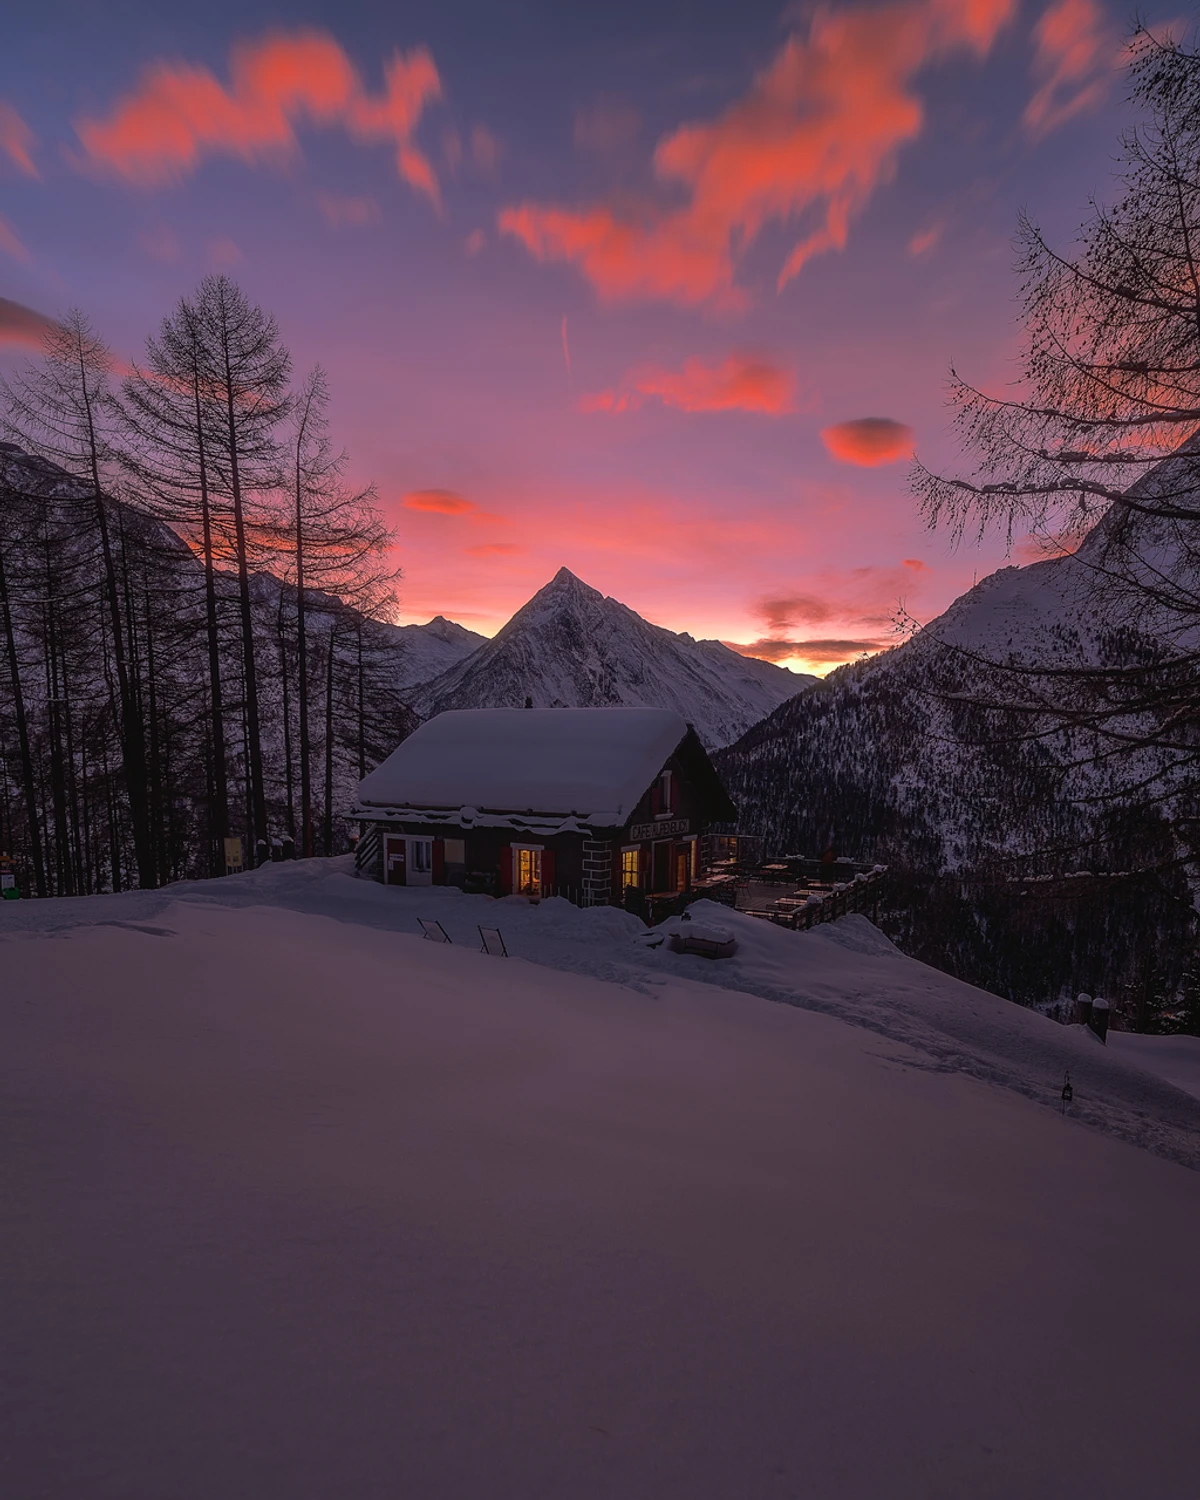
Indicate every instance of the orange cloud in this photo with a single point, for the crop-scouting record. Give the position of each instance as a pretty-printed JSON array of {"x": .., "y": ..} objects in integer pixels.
[
  {"x": 338, "y": 210},
  {"x": 438, "y": 502},
  {"x": 179, "y": 114},
  {"x": 16, "y": 140},
  {"x": 868, "y": 441},
  {"x": 1074, "y": 60},
  {"x": 813, "y": 652},
  {"x": 10, "y": 243},
  {"x": 21, "y": 325},
  {"x": 815, "y": 135},
  {"x": 740, "y": 383}
]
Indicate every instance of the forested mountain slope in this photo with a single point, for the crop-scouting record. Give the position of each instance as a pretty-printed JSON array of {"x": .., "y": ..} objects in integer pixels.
[
  {"x": 61, "y": 724},
  {"x": 891, "y": 760}
]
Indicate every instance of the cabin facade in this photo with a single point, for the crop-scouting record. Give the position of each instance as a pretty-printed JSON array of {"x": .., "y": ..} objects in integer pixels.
[{"x": 584, "y": 803}]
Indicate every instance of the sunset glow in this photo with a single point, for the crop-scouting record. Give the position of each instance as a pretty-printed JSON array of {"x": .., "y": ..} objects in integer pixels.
[{"x": 670, "y": 306}]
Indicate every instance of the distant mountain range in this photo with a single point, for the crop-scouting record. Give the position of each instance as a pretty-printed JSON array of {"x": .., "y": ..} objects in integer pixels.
[
  {"x": 425, "y": 651},
  {"x": 571, "y": 647}
]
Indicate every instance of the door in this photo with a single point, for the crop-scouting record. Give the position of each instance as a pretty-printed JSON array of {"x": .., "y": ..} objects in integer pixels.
[
  {"x": 681, "y": 867},
  {"x": 393, "y": 860},
  {"x": 420, "y": 862},
  {"x": 661, "y": 872}
]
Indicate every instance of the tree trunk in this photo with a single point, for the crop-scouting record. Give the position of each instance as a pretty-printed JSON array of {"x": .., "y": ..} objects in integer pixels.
[
  {"x": 28, "y": 784},
  {"x": 258, "y": 800},
  {"x": 219, "y": 809},
  {"x": 327, "y": 829},
  {"x": 133, "y": 748}
]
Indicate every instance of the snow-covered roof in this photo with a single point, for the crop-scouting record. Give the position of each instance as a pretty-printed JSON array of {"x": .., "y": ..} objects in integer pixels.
[{"x": 593, "y": 764}]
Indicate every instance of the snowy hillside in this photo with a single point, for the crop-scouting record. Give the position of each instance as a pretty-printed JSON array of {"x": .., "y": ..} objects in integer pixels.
[
  {"x": 428, "y": 650},
  {"x": 298, "y": 1203},
  {"x": 570, "y": 647}
]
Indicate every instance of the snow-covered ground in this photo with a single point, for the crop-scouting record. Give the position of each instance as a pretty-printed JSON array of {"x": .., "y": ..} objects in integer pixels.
[
  {"x": 299, "y": 1204},
  {"x": 1175, "y": 1058}
]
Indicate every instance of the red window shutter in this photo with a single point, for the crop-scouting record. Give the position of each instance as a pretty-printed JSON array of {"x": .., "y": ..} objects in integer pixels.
[
  {"x": 506, "y": 870},
  {"x": 439, "y": 861},
  {"x": 547, "y": 872}
]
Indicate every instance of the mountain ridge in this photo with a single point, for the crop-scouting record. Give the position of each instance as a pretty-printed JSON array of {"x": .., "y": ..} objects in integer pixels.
[{"x": 572, "y": 646}]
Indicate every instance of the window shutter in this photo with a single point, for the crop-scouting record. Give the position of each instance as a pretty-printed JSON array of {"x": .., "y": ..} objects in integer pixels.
[
  {"x": 439, "y": 862},
  {"x": 506, "y": 870},
  {"x": 547, "y": 872}
]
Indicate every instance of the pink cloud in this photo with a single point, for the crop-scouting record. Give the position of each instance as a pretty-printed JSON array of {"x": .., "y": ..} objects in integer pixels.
[
  {"x": 607, "y": 126},
  {"x": 817, "y": 133},
  {"x": 868, "y": 441},
  {"x": 178, "y": 114},
  {"x": 161, "y": 243},
  {"x": 10, "y": 243},
  {"x": 22, "y": 325},
  {"x": 495, "y": 549},
  {"x": 1074, "y": 60},
  {"x": 224, "y": 253},
  {"x": 853, "y": 609},
  {"x": 338, "y": 210},
  {"x": 16, "y": 140},
  {"x": 475, "y": 242},
  {"x": 742, "y": 382},
  {"x": 486, "y": 150},
  {"x": 925, "y": 239}
]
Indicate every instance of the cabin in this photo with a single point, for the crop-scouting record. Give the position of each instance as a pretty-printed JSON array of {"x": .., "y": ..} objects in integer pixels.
[{"x": 584, "y": 803}]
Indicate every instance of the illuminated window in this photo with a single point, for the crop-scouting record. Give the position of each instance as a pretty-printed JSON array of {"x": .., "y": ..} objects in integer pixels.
[
  {"x": 631, "y": 866},
  {"x": 695, "y": 843},
  {"x": 456, "y": 851},
  {"x": 528, "y": 871}
]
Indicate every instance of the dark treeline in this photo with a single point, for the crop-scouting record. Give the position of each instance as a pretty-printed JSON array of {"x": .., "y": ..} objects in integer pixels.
[{"x": 193, "y": 606}]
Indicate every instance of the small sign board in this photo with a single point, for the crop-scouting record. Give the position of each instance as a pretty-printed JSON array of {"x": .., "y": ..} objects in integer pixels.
[
  {"x": 661, "y": 828},
  {"x": 493, "y": 942},
  {"x": 233, "y": 856}
]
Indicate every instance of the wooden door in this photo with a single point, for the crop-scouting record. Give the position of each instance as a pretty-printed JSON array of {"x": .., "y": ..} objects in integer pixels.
[{"x": 393, "y": 860}]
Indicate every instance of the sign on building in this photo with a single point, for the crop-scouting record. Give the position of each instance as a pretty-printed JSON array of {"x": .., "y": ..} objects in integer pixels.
[{"x": 661, "y": 828}]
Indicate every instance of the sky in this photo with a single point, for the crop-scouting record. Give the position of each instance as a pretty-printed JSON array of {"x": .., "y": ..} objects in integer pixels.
[{"x": 666, "y": 293}]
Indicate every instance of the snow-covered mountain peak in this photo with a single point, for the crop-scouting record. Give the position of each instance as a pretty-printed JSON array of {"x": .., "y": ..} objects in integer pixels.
[{"x": 571, "y": 646}]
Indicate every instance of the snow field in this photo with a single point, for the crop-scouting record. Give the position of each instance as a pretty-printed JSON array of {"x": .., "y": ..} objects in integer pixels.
[{"x": 301, "y": 1205}]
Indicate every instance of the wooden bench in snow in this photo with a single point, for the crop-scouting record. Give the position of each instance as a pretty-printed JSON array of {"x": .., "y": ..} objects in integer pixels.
[
  {"x": 703, "y": 939},
  {"x": 434, "y": 931}
]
